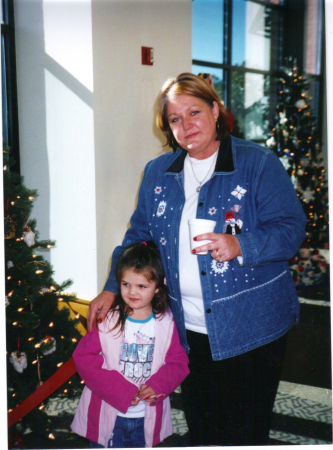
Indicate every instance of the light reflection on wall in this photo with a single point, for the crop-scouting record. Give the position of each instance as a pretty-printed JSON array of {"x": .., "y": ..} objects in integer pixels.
[
  {"x": 68, "y": 37},
  {"x": 68, "y": 76},
  {"x": 70, "y": 148}
]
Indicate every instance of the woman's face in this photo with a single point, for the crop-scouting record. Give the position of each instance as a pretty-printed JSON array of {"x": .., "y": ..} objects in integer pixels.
[{"x": 193, "y": 124}]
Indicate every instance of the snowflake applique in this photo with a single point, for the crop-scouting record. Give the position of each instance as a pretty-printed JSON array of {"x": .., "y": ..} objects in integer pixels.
[
  {"x": 161, "y": 208},
  {"x": 219, "y": 267},
  {"x": 163, "y": 241},
  {"x": 158, "y": 190},
  {"x": 238, "y": 192},
  {"x": 212, "y": 210}
]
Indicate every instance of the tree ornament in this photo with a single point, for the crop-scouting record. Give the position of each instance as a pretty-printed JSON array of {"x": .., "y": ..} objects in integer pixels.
[
  {"x": 308, "y": 194},
  {"x": 42, "y": 405},
  {"x": 300, "y": 104},
  {"x": 48, "y": 345},
  {"x": 19, "y": 361},
  {"x": 29, "y": 238},
  {"x": 7, "y": 301},
  {"x": 271, "y": 142},
  {"x": 10, "y": 234},
  {"x": 10, "y": 264},
  {"x": 15, "y": 441}
]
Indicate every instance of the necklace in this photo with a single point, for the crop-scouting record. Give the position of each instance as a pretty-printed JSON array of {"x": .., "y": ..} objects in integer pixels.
[{"x": 201, "y": 182}]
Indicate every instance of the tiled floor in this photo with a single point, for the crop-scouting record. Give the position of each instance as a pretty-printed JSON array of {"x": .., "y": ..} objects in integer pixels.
[{"x": 302, "y": 412}]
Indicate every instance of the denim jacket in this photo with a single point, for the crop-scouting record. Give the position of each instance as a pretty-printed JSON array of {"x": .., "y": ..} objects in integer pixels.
[{"x": 250, "y": 300}]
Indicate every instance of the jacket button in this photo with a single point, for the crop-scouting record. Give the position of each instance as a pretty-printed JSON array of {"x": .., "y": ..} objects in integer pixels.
[
  {"x": 208, "y": 310},
  {"x": 201, "y": 204},
  {"x": 203, "y": 272}
]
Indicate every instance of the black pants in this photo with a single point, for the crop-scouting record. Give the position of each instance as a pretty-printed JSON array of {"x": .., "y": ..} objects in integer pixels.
[{"x": 230, "y": 402}]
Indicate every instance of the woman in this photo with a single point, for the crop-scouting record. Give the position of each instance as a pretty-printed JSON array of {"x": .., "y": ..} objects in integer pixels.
[{"x": 233, "y": 306}]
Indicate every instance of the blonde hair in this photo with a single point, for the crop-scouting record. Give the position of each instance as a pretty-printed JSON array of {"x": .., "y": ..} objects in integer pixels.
[{"x": 188, "y": 84}]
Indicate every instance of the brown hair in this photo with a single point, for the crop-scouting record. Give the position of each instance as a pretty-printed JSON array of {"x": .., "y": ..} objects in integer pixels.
[
  {"x": 144, "y": 258},
  {"x": 188, "y": 84}
]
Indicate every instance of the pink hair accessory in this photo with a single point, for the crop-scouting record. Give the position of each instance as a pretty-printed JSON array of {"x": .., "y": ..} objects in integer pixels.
[{"x": 145, "y": 243}]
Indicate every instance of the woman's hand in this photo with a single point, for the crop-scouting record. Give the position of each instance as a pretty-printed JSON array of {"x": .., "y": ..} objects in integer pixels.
[
  {"x": 224, "y": 247},
  {"x": 99, "y": 307}
]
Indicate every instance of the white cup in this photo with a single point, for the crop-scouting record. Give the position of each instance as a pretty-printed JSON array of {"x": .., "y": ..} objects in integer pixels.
[{"x": 200, "y": 226}]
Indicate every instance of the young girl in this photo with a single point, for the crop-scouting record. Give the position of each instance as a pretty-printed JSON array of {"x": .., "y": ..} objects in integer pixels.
[{"x": 133, "y": 362}]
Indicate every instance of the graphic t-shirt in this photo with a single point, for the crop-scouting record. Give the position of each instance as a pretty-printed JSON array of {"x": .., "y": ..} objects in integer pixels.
[{"x": 136, "y": 356}]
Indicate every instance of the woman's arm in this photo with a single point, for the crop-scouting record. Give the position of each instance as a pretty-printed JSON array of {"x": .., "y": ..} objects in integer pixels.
[
  {"x": 282, "y": 221},
  {"x": 138, "y": 232},
  {"x": 109, "y": 385}
]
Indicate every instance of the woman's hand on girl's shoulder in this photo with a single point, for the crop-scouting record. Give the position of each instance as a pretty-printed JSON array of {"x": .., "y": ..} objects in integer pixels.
[{"x": 98, "y": 308}]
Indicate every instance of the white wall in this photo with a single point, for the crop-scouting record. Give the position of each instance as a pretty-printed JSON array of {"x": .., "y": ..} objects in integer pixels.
[
  {"x": 124, "y": 96},
  {"x": 55, "y": 95},
  {"x": 86, "y": 109}
]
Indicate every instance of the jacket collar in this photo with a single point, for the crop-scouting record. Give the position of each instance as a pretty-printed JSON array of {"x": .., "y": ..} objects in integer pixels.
[{"x": 224, "y": 162}]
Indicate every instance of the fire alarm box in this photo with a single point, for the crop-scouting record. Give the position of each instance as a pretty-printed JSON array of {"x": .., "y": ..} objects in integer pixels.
[{"x": 147, "y": 55}]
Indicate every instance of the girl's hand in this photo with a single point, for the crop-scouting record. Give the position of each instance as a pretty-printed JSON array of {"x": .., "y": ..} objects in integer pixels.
[
  {"x": 147, "y": 393},
  {"x": 224, "y": 247},
  {"x": 136, "y": 399}
]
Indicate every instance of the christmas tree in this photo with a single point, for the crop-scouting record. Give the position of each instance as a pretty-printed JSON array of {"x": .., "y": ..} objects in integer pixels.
[
  {"x": 40, "y": 336},
  {"x": 294, "y": 138}
]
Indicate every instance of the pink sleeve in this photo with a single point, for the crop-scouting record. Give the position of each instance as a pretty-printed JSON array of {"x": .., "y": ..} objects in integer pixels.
[
  {"x": 173, "y": 372},
  {"x": 110, "y": 385}
]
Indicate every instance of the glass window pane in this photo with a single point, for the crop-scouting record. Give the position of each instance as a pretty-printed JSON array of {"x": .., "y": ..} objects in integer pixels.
[
  {"x": 4, "y": 11},
  {"x": 255, "y": 32},
  {"x": 217, "y": 75},
  {"x": 207, "y": 30},
  {"x": 313, "y": 37},
  {"x": 250, "y": 103},
  {"x": 4, "y": 93}
]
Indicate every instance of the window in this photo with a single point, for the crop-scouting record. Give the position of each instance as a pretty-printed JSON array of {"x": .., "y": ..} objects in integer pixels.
[
  {"x": 8, "y": 77},
  {"x": 239, "y": 43}
]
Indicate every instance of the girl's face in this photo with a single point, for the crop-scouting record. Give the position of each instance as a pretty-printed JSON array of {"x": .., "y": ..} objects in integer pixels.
[
  {"x": 138, "y": 293},
  {"x": 193, "y": 124}
]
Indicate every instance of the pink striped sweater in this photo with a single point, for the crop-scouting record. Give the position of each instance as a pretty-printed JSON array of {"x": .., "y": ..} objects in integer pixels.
[{"x": 107, "y": 391}]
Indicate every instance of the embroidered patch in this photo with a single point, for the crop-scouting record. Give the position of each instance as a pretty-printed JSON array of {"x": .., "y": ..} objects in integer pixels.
[
  {"x": 238, "y": 192},
  {"x": 161, "y": 208},
  {"x": 231, "y": 225},
  {"x": 236, "y": 209},
  {"x": 163, "y": 241},
  {"x": 219, "y": 267},
  {"x": 212, "y": 210},
  {"x": 158, "y": 190}
]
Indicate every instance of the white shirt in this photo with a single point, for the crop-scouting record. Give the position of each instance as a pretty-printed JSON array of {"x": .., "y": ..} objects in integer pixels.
[
  {"x": 136, "y": 357},
  {"x": 189, "y": 276}
]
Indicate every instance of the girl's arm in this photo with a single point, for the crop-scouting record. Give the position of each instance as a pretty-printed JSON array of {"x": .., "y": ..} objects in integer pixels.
[
  {"x": 173, "y": 372},
  {"x": 109, "y": 385}
]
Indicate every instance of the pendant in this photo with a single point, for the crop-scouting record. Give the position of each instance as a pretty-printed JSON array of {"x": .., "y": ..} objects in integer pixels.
[{"x": 198, "y": 188}]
